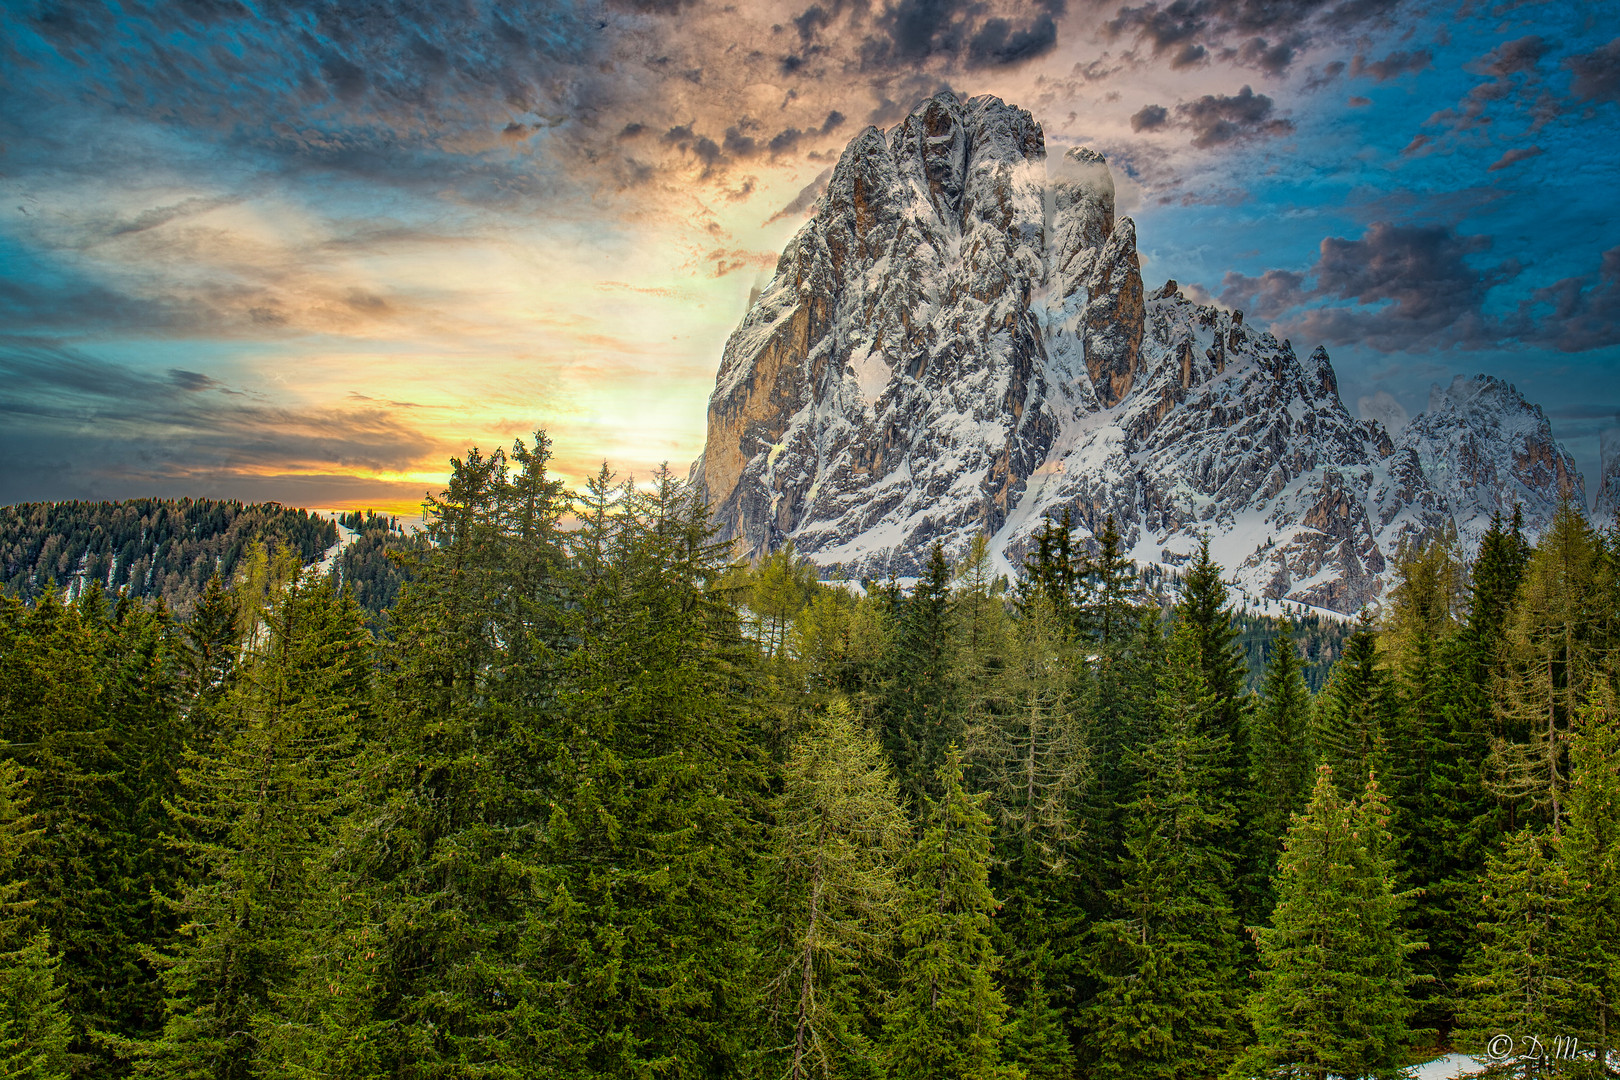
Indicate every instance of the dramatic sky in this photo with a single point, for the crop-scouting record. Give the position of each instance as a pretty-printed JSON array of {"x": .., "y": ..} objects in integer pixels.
[{"x": 307, "y": 250}]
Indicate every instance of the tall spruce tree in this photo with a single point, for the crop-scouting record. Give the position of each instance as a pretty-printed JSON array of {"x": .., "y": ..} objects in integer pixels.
[
  {"x": 34, "y": 1027},
  {"x": 55, "y": 722},
  {"x": 653, "y": 788},
  {"x": 947, "y": 1016},
  {"x": 1476, "y": 661},
  {"x": 1204, "y": 609},
  {"x": 1111, "y": 589},
  {"x": 428, "y": 973},
  {"x": 1334, "y": 987},
  {"x": 1029, "y": 755},
  {"x": 980, "y": 626},
  {"x": 1168, "y": 1003},
  {"x": 1430, "y": 782},
  {"x": 1518, "y": 982},
  {"x": 260, "y": 810},
  {"x": 1055, "y": 570},
  {"x": 1348, "y": 726},
  {"x": 1280, "y": 769},
  {"x": 921, "y": 715}
]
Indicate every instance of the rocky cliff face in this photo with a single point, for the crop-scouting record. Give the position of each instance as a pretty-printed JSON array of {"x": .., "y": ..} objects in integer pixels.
[{"x": 959, "y": 342}]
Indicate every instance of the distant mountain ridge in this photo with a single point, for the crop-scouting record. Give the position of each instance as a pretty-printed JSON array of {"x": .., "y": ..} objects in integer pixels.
[{"x": 959, "y": 341}]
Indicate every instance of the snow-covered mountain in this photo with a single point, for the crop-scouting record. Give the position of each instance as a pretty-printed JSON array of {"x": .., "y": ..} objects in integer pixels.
[
  {"x": 959, "y": 342},
  {"x": 1607, "y": 503},
  {"x": 1485, "y": 449}
]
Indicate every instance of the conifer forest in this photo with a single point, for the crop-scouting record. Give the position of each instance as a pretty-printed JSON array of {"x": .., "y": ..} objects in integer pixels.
[{"x": 577, "y": 794}]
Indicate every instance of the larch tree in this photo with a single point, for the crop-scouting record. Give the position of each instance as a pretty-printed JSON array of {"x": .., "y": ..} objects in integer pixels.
[
  {"x": 1553, "y": 656},
  {"x": 838, "y": 835},
  {"x": 1591, "y": 848}
]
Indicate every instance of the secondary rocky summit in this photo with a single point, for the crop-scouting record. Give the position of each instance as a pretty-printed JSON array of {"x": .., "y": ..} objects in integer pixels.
[{"x": 959, "y": 342}]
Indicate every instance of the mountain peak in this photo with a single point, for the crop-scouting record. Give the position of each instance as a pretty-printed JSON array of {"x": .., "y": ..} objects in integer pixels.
[{"x": 958, "y": 342}]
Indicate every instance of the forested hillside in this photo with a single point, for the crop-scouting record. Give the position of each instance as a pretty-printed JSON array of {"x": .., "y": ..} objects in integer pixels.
[
  {"x": 168, "y": 549},
  {"x": 599, "y": 803}
]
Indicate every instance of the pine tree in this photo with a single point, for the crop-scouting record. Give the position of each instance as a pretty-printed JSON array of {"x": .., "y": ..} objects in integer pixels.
[
  {"x": 1167, "y": 958},
  {"x": 947, "y": 1017},
  {"x": 1279, "y": 768},
  {"x": 836, "y": 842},
  {"x": 1334, "y": 987}
]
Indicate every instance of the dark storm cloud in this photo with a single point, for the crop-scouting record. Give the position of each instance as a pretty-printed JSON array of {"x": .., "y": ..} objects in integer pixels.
[
  {"x": 1412, "y": 287},
  {"x": 1597, "y": 73},
  {"x": 1415, "y": 288},
  {"x": 1149, "y": 118},
  {"x": 999, "y": 42},
  {"x": 906, "y": 33},
  {"x": 1218, "y": 118},
  {"x": 1242, "y": 31}
]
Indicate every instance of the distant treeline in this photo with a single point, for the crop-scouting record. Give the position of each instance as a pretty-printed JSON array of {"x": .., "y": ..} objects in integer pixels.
[{"x": 167, "y": 549}]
